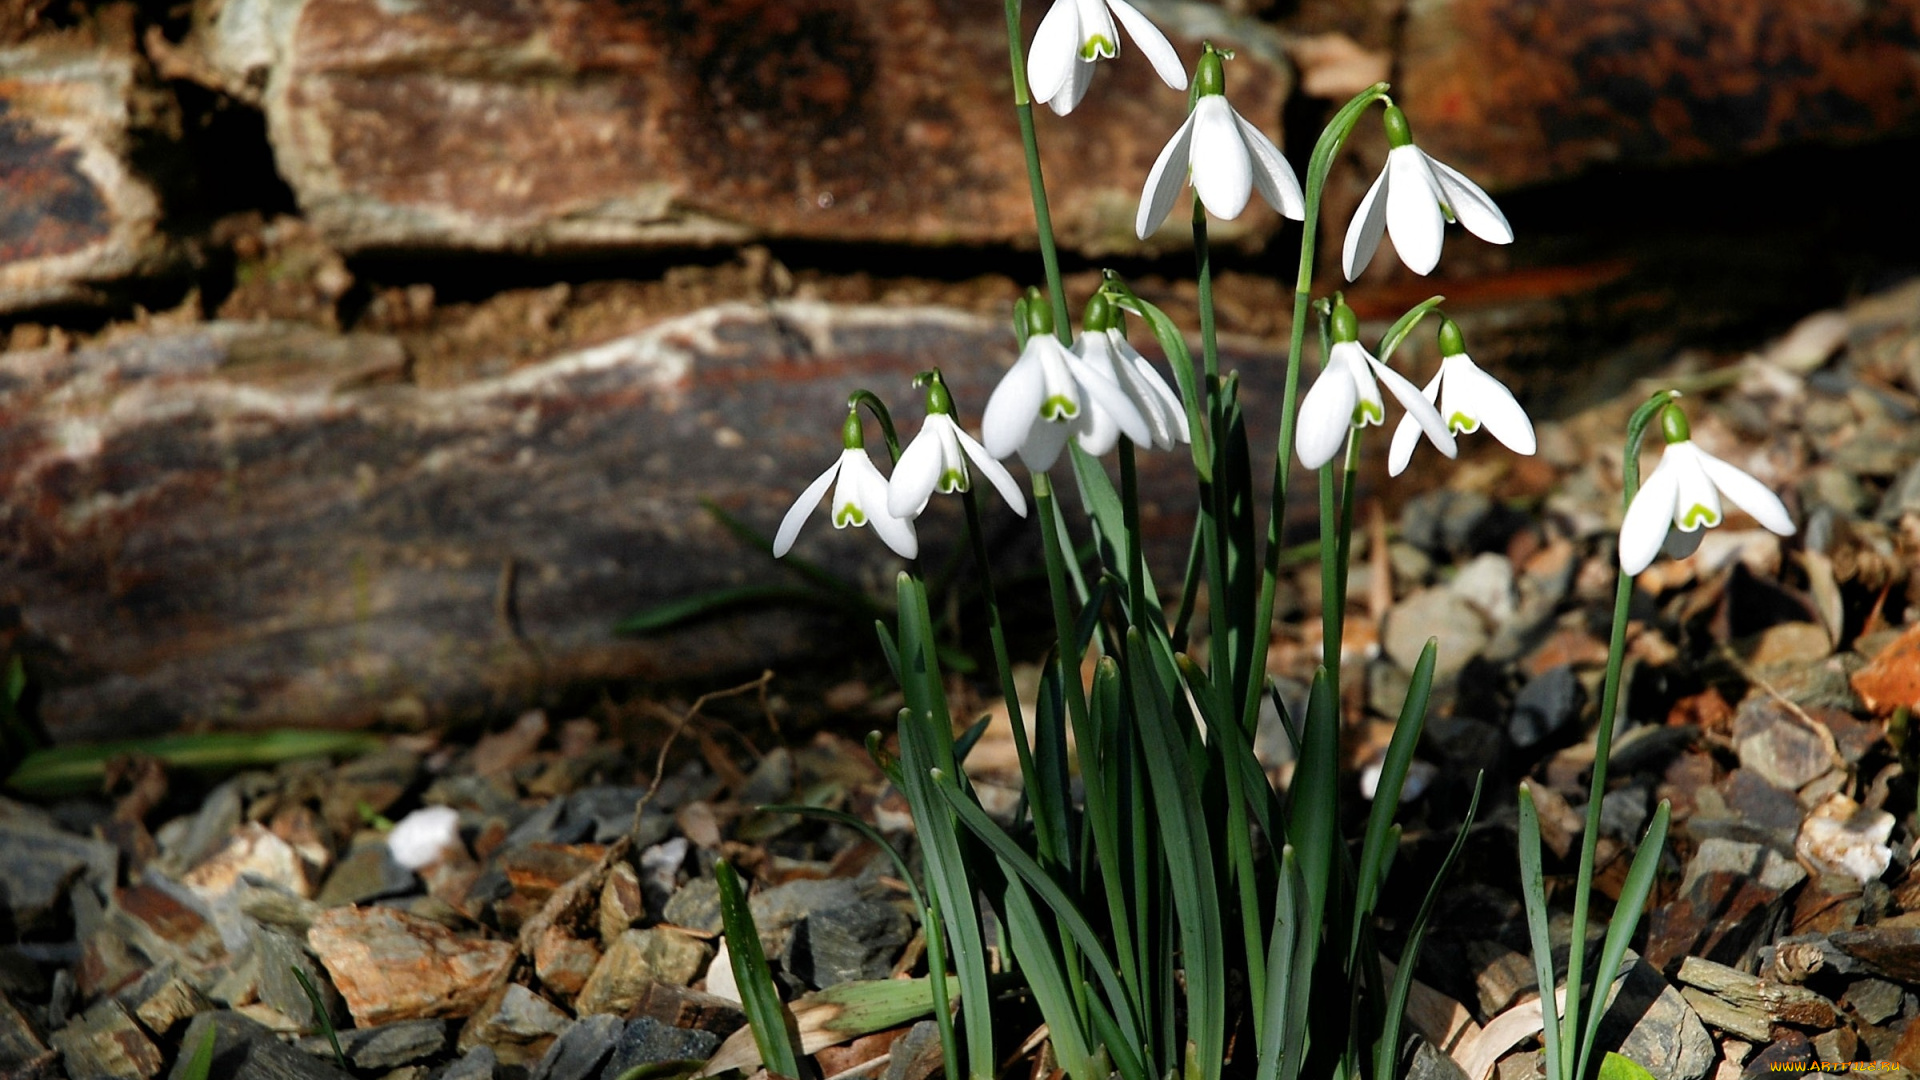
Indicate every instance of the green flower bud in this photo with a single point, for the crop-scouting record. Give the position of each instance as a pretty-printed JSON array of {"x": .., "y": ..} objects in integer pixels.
[
  {"x": 1674, "y": 426},
  {"x": 1398, "y": 133},
  {"x": 1209, "y": 75},
  {"x": 1451, "y": 343},
  {"x": 1346, "y": 325},
  {"x": 851, "y": 435},
  {"x": 1039, "y": 313},
  {"x": 1099, "y": 315},
  {"x": 938, "y": 400}
]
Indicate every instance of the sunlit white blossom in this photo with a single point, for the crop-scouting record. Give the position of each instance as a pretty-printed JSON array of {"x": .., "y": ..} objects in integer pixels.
[
  {"x": 1684, "y": 492},
  {"x": 859, "y": 498},
  {"x": 1468, "y": 399},
  {"x": 1077, "y": 34},
  {"x": 1412, "y": 200},
  {"x": 936, "y": 460},
  {"x": 1226, "y": 157},
  {"x": 1347, "y": 396}
]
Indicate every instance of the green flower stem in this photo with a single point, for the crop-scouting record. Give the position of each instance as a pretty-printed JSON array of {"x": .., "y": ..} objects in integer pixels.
[
  {"x": 1603, "y": 747},
  {"x": 1203, "y": 258},
  {"x": 1136, "y": 553},
  {"x": 1042, "y": 218},
  {"x": 1329, "y": 144},
  {"x": 1331, "y": 603},
  {"x": 1349, "y": 488}
]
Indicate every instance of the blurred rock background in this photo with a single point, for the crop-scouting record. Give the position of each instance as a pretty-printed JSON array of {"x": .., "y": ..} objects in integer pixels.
[{"x": 368, "y": 360}]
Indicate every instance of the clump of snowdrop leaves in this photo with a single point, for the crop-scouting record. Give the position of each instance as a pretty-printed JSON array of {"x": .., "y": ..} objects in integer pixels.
[
  {"x": 859, "y": 497},
  {"x": 1684, "y": 492},
  {"x": 1103, "y": 345},
  {"x": 1076, "y": 34},
  {"x": 1049, "y": 395},
  {"x": 1412, "y": 200},
  {"x": 936, "y": 460},
  {"x": 1347, "y": 396},
  {"x": 1226, "y": 156},
  {"x": 1469, "y": 399}
]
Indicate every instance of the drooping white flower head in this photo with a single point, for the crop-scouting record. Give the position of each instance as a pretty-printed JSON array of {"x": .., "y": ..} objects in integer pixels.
[
  {"x": 1468, "y": 399},
  {"x": 1684, "y": 491},
  {"x": 1413, "y": 199},
  {"x": 1347, "y": 396},
  {"x": 422, "y": 837},
  {"x": 1076, "y": 34},
  {"x": 1049, "y": 395},
  {"x": 1103, "y": 345},
  {"x": 859, "y": 498},
  {"x": 1226, "y": 156},
  {"x": 936, "y": 460}
]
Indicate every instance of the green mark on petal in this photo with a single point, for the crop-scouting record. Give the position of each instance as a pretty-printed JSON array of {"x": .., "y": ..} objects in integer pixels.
[
  {"x": 1366, "y": 412},
  {"x": 849, "y": 514},
  {"x": 1700, "y": 515},
  {"x": 1462, "y": 423},
  {"x": 953, "y": 480},
  {"x": 1097, "y": 46},
  {"x": 1059, "y": 408}
]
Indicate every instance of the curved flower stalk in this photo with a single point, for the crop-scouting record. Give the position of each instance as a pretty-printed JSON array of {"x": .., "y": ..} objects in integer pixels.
[
  {"x": 1412, "y": 199},
  {"x": 1347, "y": 396},
  {"x": 936, "y": 460},
  {"x": 859, "y": 498},
  {"x": 1076, "y": 34},
  {"x": 1227, "y": 158},
  {"x": 1103, "y": 345},
  {"x": 1469, "y": 399},
  {"x": 1048, "y": 395},
  {"x": 1684, "y": 492}
]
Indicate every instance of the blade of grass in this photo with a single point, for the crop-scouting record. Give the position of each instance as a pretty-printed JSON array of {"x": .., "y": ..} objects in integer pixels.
[
  {"x": 1626, "y": 916},
  {"x": 669, "y": 615},
  {"x": 1034, "y": 950},
  {"x": 320, "y": 1015},
  {"x": 1533, "y": 890},
  {"x": 1313, "y": 830},
  {"x": 778, "y": 1046},
  {"x": 1375, "y": 855},
  {"x": 71, "y": 770},
  {"x": 1281, "y": 943},
  {"x": 200, "y": 1065}
]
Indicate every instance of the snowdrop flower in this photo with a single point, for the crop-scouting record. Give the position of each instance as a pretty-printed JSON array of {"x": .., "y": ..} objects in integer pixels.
[
  {"x": 1076, "y": 34},
  {"x": 1226, "y": 156},
  {"x": 1685, "y": 491},
  {"x": 860, "y": 498},
  {"x": 1413, "y": 198},
  {"x": 1049, "y": 395},
  {"x": 1346, "y": 396},
  {"x": 419, "y": 839},
  {"x": 936, "y": 460},
  {"x": 1468, "y": 398},
  {"x": 1103, "y": 345}
]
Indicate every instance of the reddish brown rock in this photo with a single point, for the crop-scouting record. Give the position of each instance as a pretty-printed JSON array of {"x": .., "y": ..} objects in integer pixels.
[
  {"x": 74, "y": 213},
  {"x": 390, "y": 966},
  {"x": 1892, "y": 679},
  {"x": 553, "y": 125},
  {"x": 1514, "y": 93}
]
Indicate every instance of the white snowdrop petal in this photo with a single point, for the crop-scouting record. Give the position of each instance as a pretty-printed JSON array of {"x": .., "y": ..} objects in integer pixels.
[
  {"x": 1074, "y": 90},
  {"x": 1099, "y": 37},
  {"x": 1055, "y": 49},
  {"x": 1363, "y": 232},
  {"x": 1044, "y": 444},
  {"x": 1164, "y": 180},
  {"x": 1106, "y": 395},
  {"x": 1472, "y": 206},
  {"x": 1272, "y": 175},
  {"x": 1414, "y": 219},
  {"x": 1096, "y": 431},
  {"x": 1648, "y": 518},
  {"x": 1355, "y": 358},
  {"x": 1697, "y": 502},
  {"x": 1014, "y": 406},
  {"x": 1748, "y": 494},
  {"x": 870, "y": 492},
  {"x": 1406, "y": 438},
  {"x": 801, "y": 508},
  {"x": 917, "y": 472},
  {"x": 1222, "y": 170},
  {"x": 996, "y": 473},
  {"x": 1326, "y": 415},
  {"x": 1153, "y": 44},
  {"x": 1493, "y": 405},
  {"x": 1417, "y": 406}
]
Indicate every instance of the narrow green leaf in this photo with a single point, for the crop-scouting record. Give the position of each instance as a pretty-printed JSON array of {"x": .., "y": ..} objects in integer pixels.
[
  {"x": 1281, "y": 942},
  {"x": 758, "y": 996},
  {"x": 832, "y": 1016},
  {"x": 200, "y": 1065},
  {"x": 664, "y": 1070},
  {"x": 69, "y": 770},
  {"x": 1375, "y": 855},
  {"x": 669, "y": 615},
  {"x": 1626, "y": 916},
  {"x": 1034, "y": 950},
  {"x": 320, "y": 1014},
  {"x": 1314, "y": 831},
  {"x": 1386, "y": 1051},
  {"x": 1619, "y": 1067},
  {"x": 1533, "y": 890}
]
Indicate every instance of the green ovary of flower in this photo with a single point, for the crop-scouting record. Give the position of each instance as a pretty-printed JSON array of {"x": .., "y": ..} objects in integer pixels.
[
  {"x": 1097, "y": 46},
  {"x": 1462, "y": 423},
  {"x": 1059, "y": 408},
  {"x": 1699, "y": 515},
  {"x": 953, "y": 480},
  {"x": 1367, "y": 412},
  {"x": 849, "y": 515}
]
